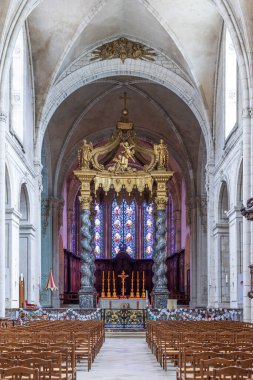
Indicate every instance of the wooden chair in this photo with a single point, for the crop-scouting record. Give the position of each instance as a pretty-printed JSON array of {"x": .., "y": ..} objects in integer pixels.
[
  {"x": 19, "y": 373},
  {"x": 207, "y": 366},
  {"x": 232, "y": 373},
  {"x": 44, "y": 366}
]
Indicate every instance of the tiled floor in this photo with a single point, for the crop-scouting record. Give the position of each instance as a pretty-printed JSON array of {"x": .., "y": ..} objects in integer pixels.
[{"x": 125, "y": 359}]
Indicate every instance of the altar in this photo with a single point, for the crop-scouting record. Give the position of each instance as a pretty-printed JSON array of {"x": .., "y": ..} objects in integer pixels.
[{"x": 123, "y": 303}]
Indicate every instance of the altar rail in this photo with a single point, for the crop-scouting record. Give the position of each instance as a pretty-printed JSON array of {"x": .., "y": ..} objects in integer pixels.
[
  {"x": 124, "y": 318},
  {"x": 121, "y": 318}
]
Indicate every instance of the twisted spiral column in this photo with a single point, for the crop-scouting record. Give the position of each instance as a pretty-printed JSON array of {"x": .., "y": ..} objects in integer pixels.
[
  {"x": 87, "y": 293},
  {"x": 160, "y": 291}
]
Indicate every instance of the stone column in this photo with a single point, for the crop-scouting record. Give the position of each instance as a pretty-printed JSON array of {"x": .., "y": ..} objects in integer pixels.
[
  {"x": 160, "y": 291},
  {"x": 87, "y": 293},
  {"x": 3, "y": 120},
  {"x": 246, "y": 113},
  {"x": 12, "y": 220}
]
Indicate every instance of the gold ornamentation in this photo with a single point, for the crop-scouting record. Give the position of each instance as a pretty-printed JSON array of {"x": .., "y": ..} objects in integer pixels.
[
  {"x": 109, "y": 286},
  {"x": 161, "y": 202},
  {"x": 128, "y": 150},
  {"x": 85, "y": 155},
  {"x": 123, "y": 277},
  {"x": 123, "y": 48},
  {"x": 95, "y": 166},
  {"x": 162, "y": 155}
]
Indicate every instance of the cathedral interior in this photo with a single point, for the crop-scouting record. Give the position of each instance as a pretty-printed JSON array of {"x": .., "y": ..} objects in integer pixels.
[{"x": 103, "y": 94}]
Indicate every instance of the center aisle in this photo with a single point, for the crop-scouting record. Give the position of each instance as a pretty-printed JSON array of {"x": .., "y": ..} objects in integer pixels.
[{"x": 125, "y": 359}]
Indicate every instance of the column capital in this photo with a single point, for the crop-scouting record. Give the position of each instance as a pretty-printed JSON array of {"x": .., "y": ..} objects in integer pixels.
[{"x": 247, "y": 112}]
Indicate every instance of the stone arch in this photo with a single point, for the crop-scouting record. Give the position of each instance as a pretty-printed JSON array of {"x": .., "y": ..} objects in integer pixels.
[
  {"x": 239, "y": 192},
  {"x": 24, "y": 205},
  {"x": 102, "y": 69},
  {"x": 223, "y": 205}
]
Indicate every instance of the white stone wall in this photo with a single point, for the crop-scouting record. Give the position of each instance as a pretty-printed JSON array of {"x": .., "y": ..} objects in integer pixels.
[
  {"x": 22, "y": 236},
  {"x": 225, "y": 231}
]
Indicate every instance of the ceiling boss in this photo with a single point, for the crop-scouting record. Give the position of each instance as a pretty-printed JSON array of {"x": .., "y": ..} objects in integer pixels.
[{"x": 123, "y": 48}]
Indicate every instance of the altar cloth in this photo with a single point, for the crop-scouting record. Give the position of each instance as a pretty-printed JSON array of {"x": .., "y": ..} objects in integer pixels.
[{"x": 122, "y": 303}]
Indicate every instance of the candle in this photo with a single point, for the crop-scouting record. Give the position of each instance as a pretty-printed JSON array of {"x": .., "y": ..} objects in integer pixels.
[
  {"x": 21, "y": 277},
  {"x": 113, "y": 276},
  {"x": 132, "y": 275},
  {"x": 103, "y": 275}
]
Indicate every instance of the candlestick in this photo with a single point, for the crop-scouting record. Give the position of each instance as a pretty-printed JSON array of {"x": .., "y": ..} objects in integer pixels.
[
  {"x": 108, "y": 286},
  {"x": 138, "y": 285},
  {"x": 114, "y": 294},
  {"x": 143, "y": 285},
  {"x": 103, "y": 285},
  {"x": 132, "y": 286}
]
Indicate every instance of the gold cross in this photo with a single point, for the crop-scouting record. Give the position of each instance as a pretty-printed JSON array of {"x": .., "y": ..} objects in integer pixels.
[{"x": 123, "y": 277}]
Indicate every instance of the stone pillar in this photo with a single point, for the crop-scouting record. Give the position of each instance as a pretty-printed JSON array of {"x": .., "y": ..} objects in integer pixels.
[
  {"x": 87, "y": 293},
  {"x": 38, "y": 169},
  {"x": 12, "y": 258},
  {"x": 235, "y": 218},
  {"x": 247, "y": 113},
  {"x": 3, "y": 120},
  {"x": 211, "y": 280},
  {"x": 160, "y": 291}
]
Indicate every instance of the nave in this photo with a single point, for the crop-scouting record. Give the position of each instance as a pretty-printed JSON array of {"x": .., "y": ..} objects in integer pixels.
[{"x": 125, "y": 356}]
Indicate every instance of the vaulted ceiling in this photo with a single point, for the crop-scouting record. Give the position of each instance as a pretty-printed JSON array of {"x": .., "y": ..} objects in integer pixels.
[{"x": 187, "y": 33}]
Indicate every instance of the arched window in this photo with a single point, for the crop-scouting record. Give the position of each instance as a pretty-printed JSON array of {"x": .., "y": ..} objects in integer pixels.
[
  {"x": 148, "y": 229},
  {"x": 17, "y": 88},
  {"x": 123, "y": 227},
  {"x": 230, "y": 84}
]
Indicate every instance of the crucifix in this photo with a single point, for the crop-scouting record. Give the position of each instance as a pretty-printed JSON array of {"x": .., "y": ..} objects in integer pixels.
[{"x": 123, "y": 277}]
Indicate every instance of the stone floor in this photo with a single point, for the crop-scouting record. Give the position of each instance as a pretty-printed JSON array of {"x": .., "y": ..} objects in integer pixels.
[{"x": 125, "y": 358}]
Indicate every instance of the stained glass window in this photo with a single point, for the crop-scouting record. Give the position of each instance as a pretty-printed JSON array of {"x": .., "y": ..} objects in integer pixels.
[
  {"x": 123, "y": 227},
  {"x": 149, "y": 230},
  {"x": 98, "y": 231}
]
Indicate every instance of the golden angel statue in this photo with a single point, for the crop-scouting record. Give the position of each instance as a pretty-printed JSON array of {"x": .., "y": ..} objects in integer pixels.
[
  {"x": 85, "y": 155},
  {"x": 162, "y": 154},
  {"x": 129, "y": 150}
]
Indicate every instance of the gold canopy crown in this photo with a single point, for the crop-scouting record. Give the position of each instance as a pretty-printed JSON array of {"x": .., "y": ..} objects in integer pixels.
[{"x": 123, "y": 163}]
